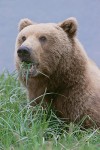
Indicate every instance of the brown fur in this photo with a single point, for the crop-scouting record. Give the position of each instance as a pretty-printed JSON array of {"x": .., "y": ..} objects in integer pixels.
[{"x": 71, "y": 77}]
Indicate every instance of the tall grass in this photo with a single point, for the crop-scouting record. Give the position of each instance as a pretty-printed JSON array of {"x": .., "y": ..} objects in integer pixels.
[{"x": 20, "y": 130}]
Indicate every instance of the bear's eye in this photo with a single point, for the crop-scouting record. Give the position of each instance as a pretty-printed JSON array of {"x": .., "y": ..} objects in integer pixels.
[
  {"x": 23, "y": 38},
  {"x": 42, "y": 39}
]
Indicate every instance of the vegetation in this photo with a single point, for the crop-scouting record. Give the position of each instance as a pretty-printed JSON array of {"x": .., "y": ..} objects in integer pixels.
[{"x": 20, "y": 130}]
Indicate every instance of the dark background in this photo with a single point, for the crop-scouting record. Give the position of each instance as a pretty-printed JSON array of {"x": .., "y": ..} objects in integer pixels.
[{"x": 87, "y": 13}]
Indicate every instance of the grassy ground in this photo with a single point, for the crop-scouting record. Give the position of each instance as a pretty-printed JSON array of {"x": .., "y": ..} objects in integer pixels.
[{"x": 20, "y": 131}]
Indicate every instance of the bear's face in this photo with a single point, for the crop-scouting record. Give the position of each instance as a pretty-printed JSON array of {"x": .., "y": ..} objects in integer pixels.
[{"x": 42, "y": 45}]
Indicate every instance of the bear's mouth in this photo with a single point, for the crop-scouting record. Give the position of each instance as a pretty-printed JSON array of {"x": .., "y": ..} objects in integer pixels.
[
  {"x": 31, "y": 70},
  {"x": 28, "y": 70}
]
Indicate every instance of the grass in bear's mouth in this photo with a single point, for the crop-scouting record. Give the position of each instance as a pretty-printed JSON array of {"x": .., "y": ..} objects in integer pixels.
[
  {"x": 26, "y": 70},
  {"x": 26, "y": 65},
  {"x": 46, "y": 132}
]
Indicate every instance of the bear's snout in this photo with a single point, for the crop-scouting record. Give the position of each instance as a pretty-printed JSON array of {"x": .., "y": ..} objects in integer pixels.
[{"x": 24, "y": 54}]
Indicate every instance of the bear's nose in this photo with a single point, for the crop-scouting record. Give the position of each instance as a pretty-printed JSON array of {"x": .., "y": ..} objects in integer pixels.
[{"x": 23, "y": 53}]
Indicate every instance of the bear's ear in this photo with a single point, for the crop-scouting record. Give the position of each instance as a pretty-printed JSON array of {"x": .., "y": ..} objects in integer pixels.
[
  {"x": 69, "y": 26},
  {"x": 24, "y": 23}
]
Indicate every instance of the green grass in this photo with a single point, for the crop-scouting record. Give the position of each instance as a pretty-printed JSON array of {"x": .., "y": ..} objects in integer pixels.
[{"x": 20, "y": 130}]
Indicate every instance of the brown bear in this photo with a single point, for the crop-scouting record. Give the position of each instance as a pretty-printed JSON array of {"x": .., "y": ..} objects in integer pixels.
[{"x": 60, "y": 68}]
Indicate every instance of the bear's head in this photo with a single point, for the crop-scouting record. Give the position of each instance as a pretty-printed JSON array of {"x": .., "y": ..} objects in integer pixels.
[{"x": 44, "y": 46}]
